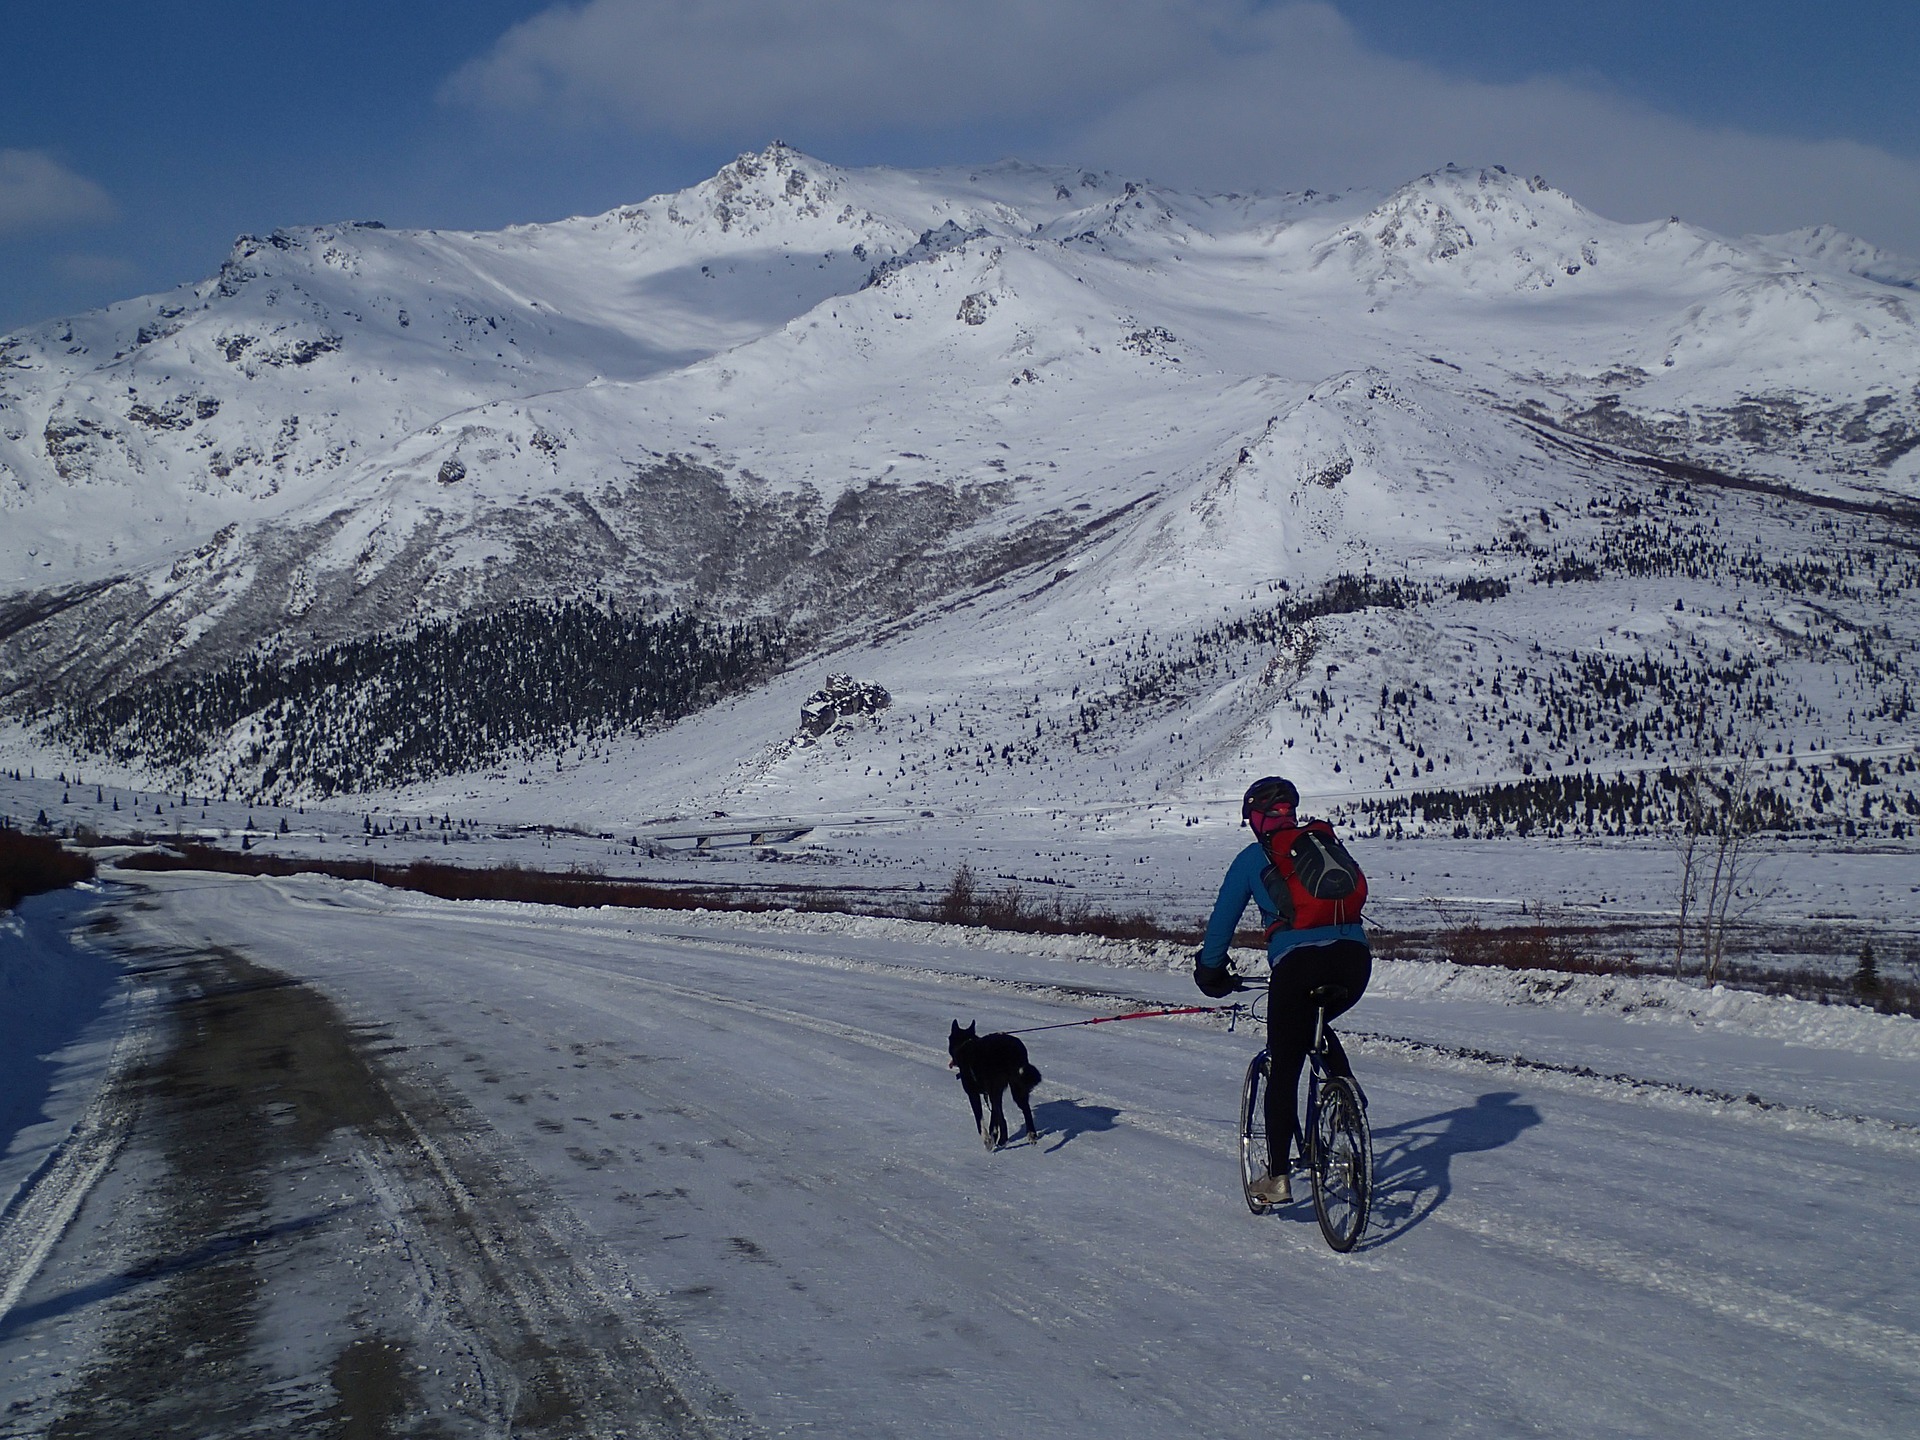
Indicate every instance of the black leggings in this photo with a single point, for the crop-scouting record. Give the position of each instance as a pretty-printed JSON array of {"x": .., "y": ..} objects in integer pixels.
[{"x": 1346, "y": 963}]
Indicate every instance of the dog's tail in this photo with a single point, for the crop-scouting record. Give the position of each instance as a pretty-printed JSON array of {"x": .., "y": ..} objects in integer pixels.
[{"x": 1029, "y": 1077}]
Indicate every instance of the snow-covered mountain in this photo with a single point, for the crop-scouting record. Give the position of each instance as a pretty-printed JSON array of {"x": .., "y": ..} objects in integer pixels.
[
  {"x": 1847, "y": 253},
  {"x": 1117, "y": 491}
]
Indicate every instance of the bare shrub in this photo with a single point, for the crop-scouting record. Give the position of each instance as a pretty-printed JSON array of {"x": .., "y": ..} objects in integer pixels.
[
  {"x": 964, "y": 903},
  {"x": 956, "y": 907},
  {"x": 575, "y": 889},
  {"x": 35, "y": 864}
]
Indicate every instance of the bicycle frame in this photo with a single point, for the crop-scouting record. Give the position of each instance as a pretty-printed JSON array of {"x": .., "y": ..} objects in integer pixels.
[{"x": 1337, "y": 1144}]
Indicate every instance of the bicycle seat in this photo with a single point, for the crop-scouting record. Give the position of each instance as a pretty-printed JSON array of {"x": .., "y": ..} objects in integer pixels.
[{"x": 1327, "y": 995}]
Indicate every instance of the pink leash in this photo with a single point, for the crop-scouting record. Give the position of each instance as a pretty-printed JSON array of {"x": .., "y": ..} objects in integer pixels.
[{"x": 1134, "y": 1015}]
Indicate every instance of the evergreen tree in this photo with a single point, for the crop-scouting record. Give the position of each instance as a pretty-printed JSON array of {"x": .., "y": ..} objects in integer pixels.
[{"x": 1866, "y": 975}]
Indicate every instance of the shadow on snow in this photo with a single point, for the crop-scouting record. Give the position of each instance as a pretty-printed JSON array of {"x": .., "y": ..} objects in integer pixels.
[
  {"x": 1063, "y": 1120},
  {"x": 1413, "y": 1168}
]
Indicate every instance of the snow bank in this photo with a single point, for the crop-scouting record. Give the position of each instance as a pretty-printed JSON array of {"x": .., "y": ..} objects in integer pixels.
[
  {"x": 1852, "y": 1029},
  {"x": 55, "y": 1031}
]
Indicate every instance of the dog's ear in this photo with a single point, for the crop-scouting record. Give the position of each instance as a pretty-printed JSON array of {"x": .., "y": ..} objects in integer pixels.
[{"x": 955, "y": 1031}]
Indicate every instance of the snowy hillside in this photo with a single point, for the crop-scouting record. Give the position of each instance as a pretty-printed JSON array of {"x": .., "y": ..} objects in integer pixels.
[{"x": 1118, "y": 493}]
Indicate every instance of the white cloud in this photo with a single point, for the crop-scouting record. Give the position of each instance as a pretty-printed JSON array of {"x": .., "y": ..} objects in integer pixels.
[
  {"x": 1203, "y": 93},
  {"x": 733, "y": 68},
  {"x": 37, "y": 192},
  {"x": 1310, "y": 105}
]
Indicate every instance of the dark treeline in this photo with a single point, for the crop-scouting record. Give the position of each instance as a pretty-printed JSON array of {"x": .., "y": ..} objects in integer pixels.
[
  {"x": 1844, "y": 559},
  {"x": 1161, "y": 680},
  {"x": 1579, "y": 804},
  {"x": 448, "y": 696}
]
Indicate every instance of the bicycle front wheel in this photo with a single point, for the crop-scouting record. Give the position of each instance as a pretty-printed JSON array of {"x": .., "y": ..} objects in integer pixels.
[
  {"x": 1340, "y": 1157},
  {"x": 1253, "y": 1130}
]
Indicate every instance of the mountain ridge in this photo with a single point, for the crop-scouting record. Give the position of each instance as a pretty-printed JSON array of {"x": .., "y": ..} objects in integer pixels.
[{"x": 859, "y": 403}]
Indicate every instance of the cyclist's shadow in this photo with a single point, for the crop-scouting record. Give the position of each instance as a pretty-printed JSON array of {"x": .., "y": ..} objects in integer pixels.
[{"x": 1413, "y": 1168}]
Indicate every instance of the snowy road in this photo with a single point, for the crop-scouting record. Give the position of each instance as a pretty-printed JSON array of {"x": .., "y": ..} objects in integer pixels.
[{"x": 742, "y": 1135}]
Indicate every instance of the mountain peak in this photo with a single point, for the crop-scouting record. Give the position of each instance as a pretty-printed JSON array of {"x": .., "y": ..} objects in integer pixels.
[
  {"x": 1835, "y": 249},
  {"x": 1485, "y": 224},
  {"x": 758, "y": 186},
  {"x": 1445, "y": 212}
]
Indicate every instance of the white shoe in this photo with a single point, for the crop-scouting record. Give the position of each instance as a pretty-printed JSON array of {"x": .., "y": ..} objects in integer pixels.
[{"x": 1272, "y": 1190}]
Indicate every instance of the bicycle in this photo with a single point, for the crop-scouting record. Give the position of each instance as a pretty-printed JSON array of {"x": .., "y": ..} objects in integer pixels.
[{"x": 1339, "y": 1143}]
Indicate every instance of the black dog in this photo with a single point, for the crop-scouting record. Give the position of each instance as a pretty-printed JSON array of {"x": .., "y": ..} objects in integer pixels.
[{"x": 989, "y": 1065}]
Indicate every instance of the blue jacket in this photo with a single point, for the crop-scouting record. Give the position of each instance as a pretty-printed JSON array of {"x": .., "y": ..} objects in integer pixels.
[{"x": 1243, "y": 884}]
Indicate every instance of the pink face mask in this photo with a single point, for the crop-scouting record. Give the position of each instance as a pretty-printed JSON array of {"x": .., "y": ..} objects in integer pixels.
[{"x": 1266, "y": 822}]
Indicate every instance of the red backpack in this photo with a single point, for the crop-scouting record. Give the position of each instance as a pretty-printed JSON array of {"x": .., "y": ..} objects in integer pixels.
[{"x": 1310, "y": 868}]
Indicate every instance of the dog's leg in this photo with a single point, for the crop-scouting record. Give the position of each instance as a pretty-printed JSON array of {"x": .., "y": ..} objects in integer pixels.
[
  {"x": 973, "y": 1099},
  {"x": 997, "y": 1127},
  {"x": 1026, "y": 1109}
]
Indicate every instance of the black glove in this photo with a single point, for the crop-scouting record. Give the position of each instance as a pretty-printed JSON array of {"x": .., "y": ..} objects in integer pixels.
[{"x": 1216, "y": 982}]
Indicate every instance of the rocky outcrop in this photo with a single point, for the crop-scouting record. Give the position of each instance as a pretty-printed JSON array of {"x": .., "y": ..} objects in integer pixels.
[{"x": 841, "y": 698}]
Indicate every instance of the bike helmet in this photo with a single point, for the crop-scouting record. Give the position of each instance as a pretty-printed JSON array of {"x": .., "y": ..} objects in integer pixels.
[{"x": 1269, "y": 793}]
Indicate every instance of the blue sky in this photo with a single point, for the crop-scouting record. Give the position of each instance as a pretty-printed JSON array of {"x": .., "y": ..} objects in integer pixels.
[{"x": 138, "y": 139}]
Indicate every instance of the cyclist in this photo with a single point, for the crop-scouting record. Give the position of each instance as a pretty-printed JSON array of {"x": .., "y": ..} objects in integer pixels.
[{"x": 1302, "y": 960}]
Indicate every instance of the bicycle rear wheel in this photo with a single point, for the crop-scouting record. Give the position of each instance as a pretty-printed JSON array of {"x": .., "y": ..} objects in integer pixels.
[
  {"x": 1340, "y": 1157},
  {"x": 1253, "y": 1130}
]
